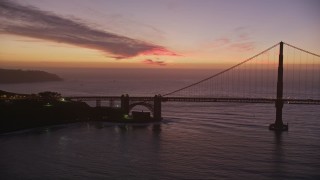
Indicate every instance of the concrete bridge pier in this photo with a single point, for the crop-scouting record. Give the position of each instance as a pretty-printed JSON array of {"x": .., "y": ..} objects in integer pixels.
[
  {"x": 157, "y": 107},
  {"x": 98, "y": 103},
  {"x": 125, "y": 104},
  {"x": 111, "y": 103}
]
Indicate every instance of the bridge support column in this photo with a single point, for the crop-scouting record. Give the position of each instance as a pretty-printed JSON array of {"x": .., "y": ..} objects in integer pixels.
[
  {"x": 278, "y": 125},
  {"x": 125, "y": 103},
  {"x": 157, "y": 107},
  {"x": 111, "y": 103},
  {"x": 98, "y": 103}
]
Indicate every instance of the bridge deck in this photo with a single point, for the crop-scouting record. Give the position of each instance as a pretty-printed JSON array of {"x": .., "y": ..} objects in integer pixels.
[{"x": 197, "y": 99}]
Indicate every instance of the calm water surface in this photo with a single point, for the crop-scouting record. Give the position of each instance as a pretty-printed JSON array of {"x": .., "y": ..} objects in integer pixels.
[{"x": 194, "y": 141}]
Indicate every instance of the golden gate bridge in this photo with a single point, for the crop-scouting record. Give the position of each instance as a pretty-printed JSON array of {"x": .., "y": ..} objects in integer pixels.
[{"x": 281, "y": 74}]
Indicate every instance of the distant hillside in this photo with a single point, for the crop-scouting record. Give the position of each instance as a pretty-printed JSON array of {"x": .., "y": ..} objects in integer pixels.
[
  {"x": 10, "y": 76},
  {"x": 10, "y": 93}
]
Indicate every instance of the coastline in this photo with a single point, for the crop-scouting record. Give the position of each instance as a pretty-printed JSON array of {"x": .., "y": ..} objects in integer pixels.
[
  {"x": 23, "y": 111},
  {"x": 16, "y": 76}
]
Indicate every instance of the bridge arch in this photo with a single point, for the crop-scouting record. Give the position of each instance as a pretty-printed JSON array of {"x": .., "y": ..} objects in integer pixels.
[{"x": 144, "y": 104}]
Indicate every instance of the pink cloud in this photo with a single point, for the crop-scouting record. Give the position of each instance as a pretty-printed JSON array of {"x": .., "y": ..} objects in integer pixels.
[
  {"x": 239, "y": 40},
  {"x": 219, "y": 42},
  {"x": 152, "y": 62},
  {"x": 159, "y": 51},
  {"x": 232, "y": 44},
  {"x": 243, "y": 36},
  {"x": 242, "y": 46}
]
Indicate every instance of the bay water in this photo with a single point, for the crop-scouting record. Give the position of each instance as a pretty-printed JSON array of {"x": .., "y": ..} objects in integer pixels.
[{"x": 194, "y": 140}]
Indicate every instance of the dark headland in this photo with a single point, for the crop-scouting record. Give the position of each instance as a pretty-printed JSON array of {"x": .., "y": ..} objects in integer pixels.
[
  {"x": 23, "y": 111},
  {"x": 11, "y": 76}
]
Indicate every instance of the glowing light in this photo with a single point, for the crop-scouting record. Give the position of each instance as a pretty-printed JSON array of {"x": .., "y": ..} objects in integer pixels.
[
  {"x": 48, "y": 105},
  {"x": 126, "y": 116}
]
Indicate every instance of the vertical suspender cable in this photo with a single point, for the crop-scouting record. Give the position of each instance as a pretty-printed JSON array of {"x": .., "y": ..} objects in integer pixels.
[
  {"x": 306, "y": 76},
  {"x": 293, "y": 71},
  {"x": 299, "y": 74},
  {"x": 312, "y": 76}
]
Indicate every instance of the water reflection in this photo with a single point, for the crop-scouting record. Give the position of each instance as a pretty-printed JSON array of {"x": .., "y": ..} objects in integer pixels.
[
  {"x": 278, "y": 155},
  {"x": 156, "y": 128},
  {"x": 124, "y": 128}
]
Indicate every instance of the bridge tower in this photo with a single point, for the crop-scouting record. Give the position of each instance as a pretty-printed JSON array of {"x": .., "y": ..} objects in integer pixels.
[
  {"x": 157, "y": 107},
  {"x": 278, "y": 125},
  {"x": 125, "y": 103}
]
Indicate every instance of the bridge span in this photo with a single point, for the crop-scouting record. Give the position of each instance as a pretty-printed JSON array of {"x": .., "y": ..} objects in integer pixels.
[
  {"x": 194, "y": 99},
  {"x": 258, "y": 78},
  {"x": 154, "y": 103}
]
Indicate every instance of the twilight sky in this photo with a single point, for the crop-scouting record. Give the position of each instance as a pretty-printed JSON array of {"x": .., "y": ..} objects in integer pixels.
[{"x": 151, "y": 33}]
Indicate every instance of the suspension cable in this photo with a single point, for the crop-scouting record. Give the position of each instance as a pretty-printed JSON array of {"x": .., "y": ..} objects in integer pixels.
[
  {"x": 221, "y": 72},
  {"x": 302, "y": 50}
]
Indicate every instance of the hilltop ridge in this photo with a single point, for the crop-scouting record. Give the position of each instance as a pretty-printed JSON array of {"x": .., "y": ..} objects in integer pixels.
[{"x": 12, "y": 76}]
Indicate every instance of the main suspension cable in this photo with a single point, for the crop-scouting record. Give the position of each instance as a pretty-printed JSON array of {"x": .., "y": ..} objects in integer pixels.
[{"x": 221, "y": 72}]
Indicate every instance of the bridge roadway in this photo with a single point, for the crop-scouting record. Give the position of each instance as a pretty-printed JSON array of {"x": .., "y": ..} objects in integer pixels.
[{"x": 196, "y": 99}]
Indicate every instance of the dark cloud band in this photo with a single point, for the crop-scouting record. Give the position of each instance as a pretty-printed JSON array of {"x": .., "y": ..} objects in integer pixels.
[{"x": 31, "y": 22}]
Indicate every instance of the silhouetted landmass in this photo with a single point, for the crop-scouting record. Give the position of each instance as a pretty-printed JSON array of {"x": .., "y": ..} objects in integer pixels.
[
  {"x": 24, "y": 114},
  {"x": 23, "y": 111},
  {"x": 10, "y": 94},
  {"x": 10, "y": 76}
]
